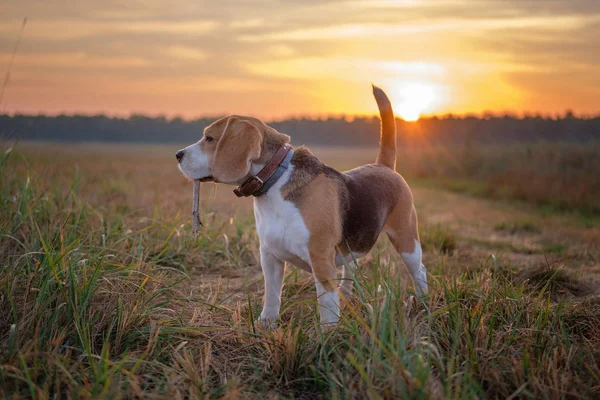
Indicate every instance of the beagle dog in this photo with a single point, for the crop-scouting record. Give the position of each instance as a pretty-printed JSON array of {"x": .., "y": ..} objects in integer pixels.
[{"x": 307, "y": 213}]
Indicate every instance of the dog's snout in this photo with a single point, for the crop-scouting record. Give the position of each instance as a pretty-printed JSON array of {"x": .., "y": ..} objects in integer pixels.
[{"x": 179, "y": 155}]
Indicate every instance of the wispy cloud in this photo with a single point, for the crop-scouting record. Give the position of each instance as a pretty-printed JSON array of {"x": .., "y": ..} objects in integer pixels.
[
  {"x": 186, "y": 53},
  {"x": 351, "y": 69},
  {"x": 74, "y": 29},
  {"x": 78, "y": 60},
  {"x": 346, "y": 31}
]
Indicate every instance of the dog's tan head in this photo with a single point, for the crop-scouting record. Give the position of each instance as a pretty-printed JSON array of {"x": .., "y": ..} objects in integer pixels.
[{"x": 228, "y": 148}]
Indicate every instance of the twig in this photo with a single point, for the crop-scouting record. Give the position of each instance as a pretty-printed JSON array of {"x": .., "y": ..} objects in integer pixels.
[
  {"x": 12, "y": 59},
  {"x": 196, "y": 223}
]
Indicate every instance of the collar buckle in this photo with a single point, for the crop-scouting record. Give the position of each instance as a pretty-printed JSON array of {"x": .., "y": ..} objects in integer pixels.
[{"x": 250, "y": 186}]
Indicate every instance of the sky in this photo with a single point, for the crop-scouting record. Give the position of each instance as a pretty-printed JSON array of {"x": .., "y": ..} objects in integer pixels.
[{"x": 276, "y": 59}]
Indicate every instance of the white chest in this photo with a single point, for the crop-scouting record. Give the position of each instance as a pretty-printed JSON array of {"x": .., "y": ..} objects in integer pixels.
[{"x": 281, "y": 228}]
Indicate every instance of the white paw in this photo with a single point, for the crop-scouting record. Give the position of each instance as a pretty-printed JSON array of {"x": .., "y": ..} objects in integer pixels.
[
  {"x": 266, "y": 323},
  {"x": 328, "y": 325},
  {"x": 421, "y": 291}
]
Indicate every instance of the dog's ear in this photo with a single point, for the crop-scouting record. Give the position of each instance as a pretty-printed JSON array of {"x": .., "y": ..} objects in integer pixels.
[{"x": 240, "y": 144}]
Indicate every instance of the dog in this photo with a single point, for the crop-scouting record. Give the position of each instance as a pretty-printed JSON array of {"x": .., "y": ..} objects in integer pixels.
[{"x": 307, "y": 213}]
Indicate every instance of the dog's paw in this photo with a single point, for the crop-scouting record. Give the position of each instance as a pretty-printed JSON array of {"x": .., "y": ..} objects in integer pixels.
[
  {"x": 328, "y": 326},
  {"x": 267, "y": 324}
]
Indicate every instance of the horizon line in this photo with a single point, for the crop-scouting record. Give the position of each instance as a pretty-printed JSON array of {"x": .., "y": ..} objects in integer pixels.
[{"x": 317, "y": 117}]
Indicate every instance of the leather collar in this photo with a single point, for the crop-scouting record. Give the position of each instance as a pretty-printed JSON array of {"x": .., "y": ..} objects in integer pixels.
[{"x": 259, "y": 184}]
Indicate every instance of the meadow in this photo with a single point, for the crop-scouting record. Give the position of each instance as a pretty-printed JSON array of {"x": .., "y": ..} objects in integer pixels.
[{"x": 106, "y": 293}]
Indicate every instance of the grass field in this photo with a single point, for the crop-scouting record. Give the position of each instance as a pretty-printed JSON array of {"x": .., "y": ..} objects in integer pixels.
[{"x": 105, "y": 293}]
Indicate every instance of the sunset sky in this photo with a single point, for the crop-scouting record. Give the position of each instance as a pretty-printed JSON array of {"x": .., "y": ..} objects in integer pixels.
[{"x": 274, "y": 59}]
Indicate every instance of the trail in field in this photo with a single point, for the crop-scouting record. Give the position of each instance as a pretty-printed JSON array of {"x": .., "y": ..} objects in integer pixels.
[
  {"x": 515, "y": 235},
  {"x": 520, "y": 234}
]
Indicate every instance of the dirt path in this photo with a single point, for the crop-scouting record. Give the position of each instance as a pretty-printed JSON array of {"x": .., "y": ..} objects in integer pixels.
[{"x": 517, "y": 233}]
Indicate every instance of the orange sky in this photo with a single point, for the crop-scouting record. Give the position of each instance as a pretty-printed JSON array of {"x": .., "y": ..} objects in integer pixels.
[{"x": 274, "y": 59}]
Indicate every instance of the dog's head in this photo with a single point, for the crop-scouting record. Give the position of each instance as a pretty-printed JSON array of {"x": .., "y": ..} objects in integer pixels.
[{"x": 228, "y": 148}]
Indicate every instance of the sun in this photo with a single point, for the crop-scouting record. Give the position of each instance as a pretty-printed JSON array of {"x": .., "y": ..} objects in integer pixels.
[
  {"x": 417, "y": 98},
  {"x": 408, "y": 111}
]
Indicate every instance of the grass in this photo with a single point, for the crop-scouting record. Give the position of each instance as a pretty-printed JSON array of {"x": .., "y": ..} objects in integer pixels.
[
  {"x": 559, "y": 177},
  {"x": 100, "y": 298},
  {"x": 438, "y": 238},
  {"x": 556, "y": 281},
  {"x": 514, "y": 227},
  {"x": 516, "y": 248}
]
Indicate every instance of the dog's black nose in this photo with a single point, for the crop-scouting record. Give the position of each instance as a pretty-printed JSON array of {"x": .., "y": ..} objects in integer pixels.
[{"x": 179, "y": 155}]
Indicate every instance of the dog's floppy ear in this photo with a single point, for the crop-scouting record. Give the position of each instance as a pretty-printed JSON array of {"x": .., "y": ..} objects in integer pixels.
[{"x": 240, "y": 144}]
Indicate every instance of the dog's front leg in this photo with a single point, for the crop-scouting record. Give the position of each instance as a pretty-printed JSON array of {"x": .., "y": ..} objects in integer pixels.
[{"x": 273, "y": 270}]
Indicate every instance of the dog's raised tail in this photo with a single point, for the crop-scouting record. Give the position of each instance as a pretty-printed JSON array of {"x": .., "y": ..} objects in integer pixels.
[{"x": 387, "y": 145}]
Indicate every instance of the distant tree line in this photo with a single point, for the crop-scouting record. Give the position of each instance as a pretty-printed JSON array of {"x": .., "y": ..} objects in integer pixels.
[{"x": 355, "y": 131}]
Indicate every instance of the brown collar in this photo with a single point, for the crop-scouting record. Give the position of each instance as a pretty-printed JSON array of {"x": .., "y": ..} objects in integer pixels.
[{"x": 258, "y": 184}]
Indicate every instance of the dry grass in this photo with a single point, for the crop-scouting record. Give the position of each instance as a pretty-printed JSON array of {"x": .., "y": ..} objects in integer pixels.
[
  {"x": 559, "y": 176},
  {"x": 104, "y": 293}
]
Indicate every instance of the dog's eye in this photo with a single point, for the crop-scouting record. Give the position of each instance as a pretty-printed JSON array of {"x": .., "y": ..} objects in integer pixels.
[{"x": 208, "y": 139}]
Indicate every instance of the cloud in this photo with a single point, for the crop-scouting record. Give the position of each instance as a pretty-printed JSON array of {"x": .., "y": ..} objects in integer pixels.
[
  {"x": 76, "y": 60},
  {"x": 186, "y": 53},
  {"x": 248, "y": 23},
  {"x": 356, "y": 69},
  {"x": 317, "y": 55},
  {"x": 62, "y": 30},
  {"x": 348, "y": 31},
  {"x": 185, "y": 27}
]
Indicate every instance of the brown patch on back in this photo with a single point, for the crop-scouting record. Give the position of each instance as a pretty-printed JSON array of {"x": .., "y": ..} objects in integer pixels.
[{"x": 306, "y": 168}]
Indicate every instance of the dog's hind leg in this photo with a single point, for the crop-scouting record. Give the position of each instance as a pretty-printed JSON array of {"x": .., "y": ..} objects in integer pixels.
[
  {"x": 325, "y": 274},
  {"x": 349, "y": 265},
  {"x": 413, "y": 261},
  {"x": 402, "y": 229},
  {"x": 347, "y": 285}
]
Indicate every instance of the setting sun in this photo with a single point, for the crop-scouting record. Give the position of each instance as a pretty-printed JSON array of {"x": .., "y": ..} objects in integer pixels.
[{"x": 416, "y": 98}]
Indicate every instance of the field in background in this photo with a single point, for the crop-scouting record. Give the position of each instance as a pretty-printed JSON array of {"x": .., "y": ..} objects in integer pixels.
[
  {"x": 555, "y": 176},
  {"x": 552, "y": 176},
  {"x": 104, "y": 291}
]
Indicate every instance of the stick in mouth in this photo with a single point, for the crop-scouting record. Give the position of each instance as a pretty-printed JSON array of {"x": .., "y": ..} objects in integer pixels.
[{"x": 196, "y": 223}]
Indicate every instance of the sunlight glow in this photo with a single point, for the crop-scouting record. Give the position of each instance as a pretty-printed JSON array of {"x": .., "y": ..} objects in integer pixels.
[
  {"x": 299, "y": 58},
  {"x": 416, "y": 98}
]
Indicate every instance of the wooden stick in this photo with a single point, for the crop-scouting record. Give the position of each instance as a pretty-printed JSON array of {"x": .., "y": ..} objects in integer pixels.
[{"x": 196, "y": 223}]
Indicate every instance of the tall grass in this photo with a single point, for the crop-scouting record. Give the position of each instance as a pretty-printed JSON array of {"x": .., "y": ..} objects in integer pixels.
[
  {"x": 561, "y": 176},
  {"x": 92, "y": 305}
]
